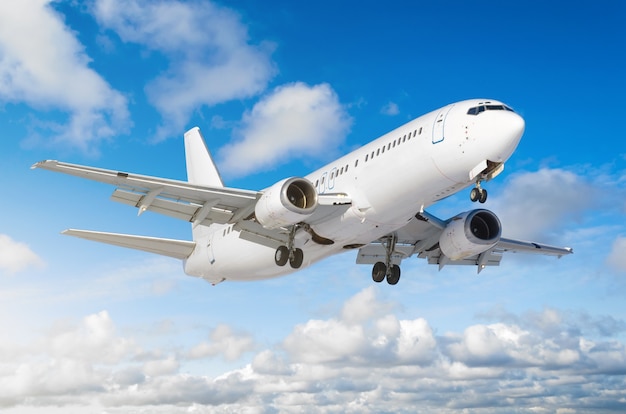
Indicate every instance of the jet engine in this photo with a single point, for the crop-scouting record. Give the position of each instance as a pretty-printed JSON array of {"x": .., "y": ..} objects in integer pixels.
[
  {"x": 470, "y": 233},
  {"x": 287, "y": 202}
]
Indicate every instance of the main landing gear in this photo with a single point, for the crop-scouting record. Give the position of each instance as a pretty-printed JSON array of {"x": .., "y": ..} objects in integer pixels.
[
  {"x": 289, "y": 253},
  {"x": 478, "y": 194},
  {"x": 387, "y": 270}
]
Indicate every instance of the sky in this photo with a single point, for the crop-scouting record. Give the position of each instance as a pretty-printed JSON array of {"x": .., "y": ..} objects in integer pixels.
[{"x": 280, "y": 88}]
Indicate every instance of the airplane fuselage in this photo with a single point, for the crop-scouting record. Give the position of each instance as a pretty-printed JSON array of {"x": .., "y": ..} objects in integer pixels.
[{"x": 389, "y": 180}]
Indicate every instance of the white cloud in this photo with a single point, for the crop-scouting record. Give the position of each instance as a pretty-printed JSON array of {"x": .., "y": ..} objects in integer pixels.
[
  {"x": 43, "y": 65},
  {"x": 343, "y": 363},
  {"x": 16, "y": 256},
  {"x": 390, "y": 108},
  {"x": 535, "y": 204},
  {"x": 295, "y": 121},
  {"x": 617, "y": 256},
  {"x": 211, "y": 59},
  {"x": 224, "y": 342}
]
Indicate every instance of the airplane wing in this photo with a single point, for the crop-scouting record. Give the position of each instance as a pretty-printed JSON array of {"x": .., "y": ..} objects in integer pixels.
[
  {"x": 198, "y": 204},
  {"x": 420, "y": 237},
  {"x": 179, "y": 199}
]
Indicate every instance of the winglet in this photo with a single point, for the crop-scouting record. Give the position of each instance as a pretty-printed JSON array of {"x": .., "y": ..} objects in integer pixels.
[{"x": 201, "y": 168}]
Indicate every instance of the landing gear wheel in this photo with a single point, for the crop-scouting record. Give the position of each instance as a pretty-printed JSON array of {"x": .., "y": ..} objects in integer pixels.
[
  {"x": 393, "y": 277},
  {"x": 296, "y": 259},
  {"x": 378, "y": 272},
  {"x": 475, "y": 194},
  {"x": 281, "y": 257},
  {"x": 483, "y": 196}
]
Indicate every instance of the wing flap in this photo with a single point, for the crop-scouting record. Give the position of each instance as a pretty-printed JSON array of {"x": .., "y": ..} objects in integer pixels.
[
  {"x": 373, "y": 253},
  {"x": 178, "y": 249},
  {"x": 177, "y": 209}
]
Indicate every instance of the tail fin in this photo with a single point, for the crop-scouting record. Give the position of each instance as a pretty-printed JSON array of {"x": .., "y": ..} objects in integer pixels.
[{"x": 201, "y": 168}]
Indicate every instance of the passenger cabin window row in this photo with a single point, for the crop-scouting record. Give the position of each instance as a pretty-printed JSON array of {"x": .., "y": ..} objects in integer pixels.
[
  {"x": 482, "y": 108},
  {"x": 393, "y": 144},
  {"x": 336, "y": 172}
]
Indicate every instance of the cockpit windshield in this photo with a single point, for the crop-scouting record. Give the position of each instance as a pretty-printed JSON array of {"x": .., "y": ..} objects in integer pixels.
[{"x": 488, "y": 107}]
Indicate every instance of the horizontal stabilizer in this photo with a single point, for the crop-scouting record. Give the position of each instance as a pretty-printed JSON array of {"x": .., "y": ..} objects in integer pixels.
[{"x": 179, "y": 249}]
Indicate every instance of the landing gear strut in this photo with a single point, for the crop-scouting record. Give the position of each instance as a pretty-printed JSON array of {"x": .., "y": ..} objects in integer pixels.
[
  {"x": 289, "y": 253},
  {"x": 478, "y": 194},
  {"x": 387, "y": 270}
]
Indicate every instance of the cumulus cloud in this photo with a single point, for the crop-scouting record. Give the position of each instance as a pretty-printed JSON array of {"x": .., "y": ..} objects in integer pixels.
[
  {"x": 16, "y": 256},
  {"x": 535, "y": 204},
  {"x": 548, "y": 359},
  {"x": 295, "y": 121},
  {"x": 211, "y": 58},
  {"x": 42, "y": 64}
]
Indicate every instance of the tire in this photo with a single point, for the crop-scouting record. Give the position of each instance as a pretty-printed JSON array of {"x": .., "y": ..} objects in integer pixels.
[
  {"x": 475, "y": 194},
  {"x": 281, "y": 257},
  {"x": 394, "y": 276},
  {"x": 483, "y": 196},
  {"x": 297, "y": 259},
  {"x": 378, "y": 272}
]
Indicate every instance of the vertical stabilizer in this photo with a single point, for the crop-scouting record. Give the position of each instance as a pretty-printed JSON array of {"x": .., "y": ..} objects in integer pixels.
[
  {"x": 200, "y": 166},
  {"x": 201, "y": 170}
]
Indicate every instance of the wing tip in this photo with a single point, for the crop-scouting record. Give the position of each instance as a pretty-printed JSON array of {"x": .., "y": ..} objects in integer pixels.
[{"x": 42, "y": 164}]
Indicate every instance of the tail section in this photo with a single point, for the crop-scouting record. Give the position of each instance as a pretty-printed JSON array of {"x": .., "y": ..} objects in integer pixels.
[{"x": 201, "y": 168}]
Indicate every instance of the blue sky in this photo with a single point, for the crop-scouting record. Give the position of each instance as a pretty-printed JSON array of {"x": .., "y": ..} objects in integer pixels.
[{"x": 94, "y": 328}]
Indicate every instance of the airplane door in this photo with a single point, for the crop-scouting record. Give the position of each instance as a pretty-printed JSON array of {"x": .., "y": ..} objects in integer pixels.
[{"x": 439, "y": 126}]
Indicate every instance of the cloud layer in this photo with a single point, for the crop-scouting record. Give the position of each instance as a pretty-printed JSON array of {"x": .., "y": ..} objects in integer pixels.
[{"x": 363, "y": 359}]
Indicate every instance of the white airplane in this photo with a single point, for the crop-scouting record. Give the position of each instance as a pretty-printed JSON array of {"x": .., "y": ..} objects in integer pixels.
[{"x": 372, "y": 199}]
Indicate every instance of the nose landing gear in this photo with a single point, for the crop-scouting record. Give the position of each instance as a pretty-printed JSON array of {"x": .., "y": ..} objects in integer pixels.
[{"x": 478, "y": 194}]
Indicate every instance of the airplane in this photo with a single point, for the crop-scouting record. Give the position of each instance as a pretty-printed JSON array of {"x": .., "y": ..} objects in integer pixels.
[{"x": 372, "y": 200}]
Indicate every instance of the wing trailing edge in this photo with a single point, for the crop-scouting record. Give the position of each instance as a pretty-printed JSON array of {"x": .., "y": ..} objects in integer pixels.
[{"x": 178, "y": 249}]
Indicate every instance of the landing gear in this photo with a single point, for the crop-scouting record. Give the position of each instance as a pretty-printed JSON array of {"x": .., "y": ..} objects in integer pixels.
[
  {"x": 381, "y": 270},
  {"x": 478, "y": 194},
  {"x": 289, "y": 253}
]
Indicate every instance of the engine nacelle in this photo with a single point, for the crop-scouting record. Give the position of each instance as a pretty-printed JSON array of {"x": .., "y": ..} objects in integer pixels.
[
  {"x": 470, "y": 233},
  {"x": 287, "y": 202}
]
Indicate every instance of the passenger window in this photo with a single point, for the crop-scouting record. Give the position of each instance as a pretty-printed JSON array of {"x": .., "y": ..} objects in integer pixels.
[
  {"x": 378, "y": 151},
  {"x": 404, "y": 139},
  {"x": 356, "y": 163},
  {"x": 389, "y": 146},
  {"x": 383, "y": 151},
  {"x": 420, "y": 131},
  {"x": 366, "y": 157},
  {"x": 394, "y": 143},
  {"x": 346, "y": 168}
]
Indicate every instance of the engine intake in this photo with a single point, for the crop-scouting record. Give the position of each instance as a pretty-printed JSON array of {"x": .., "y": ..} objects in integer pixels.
[
  {"x": 470, "y": 233},
  {"x": 287, "y": 202}
]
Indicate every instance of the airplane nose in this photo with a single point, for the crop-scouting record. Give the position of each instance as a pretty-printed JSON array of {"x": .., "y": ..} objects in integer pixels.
[{"x": 501, "y": 131}]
